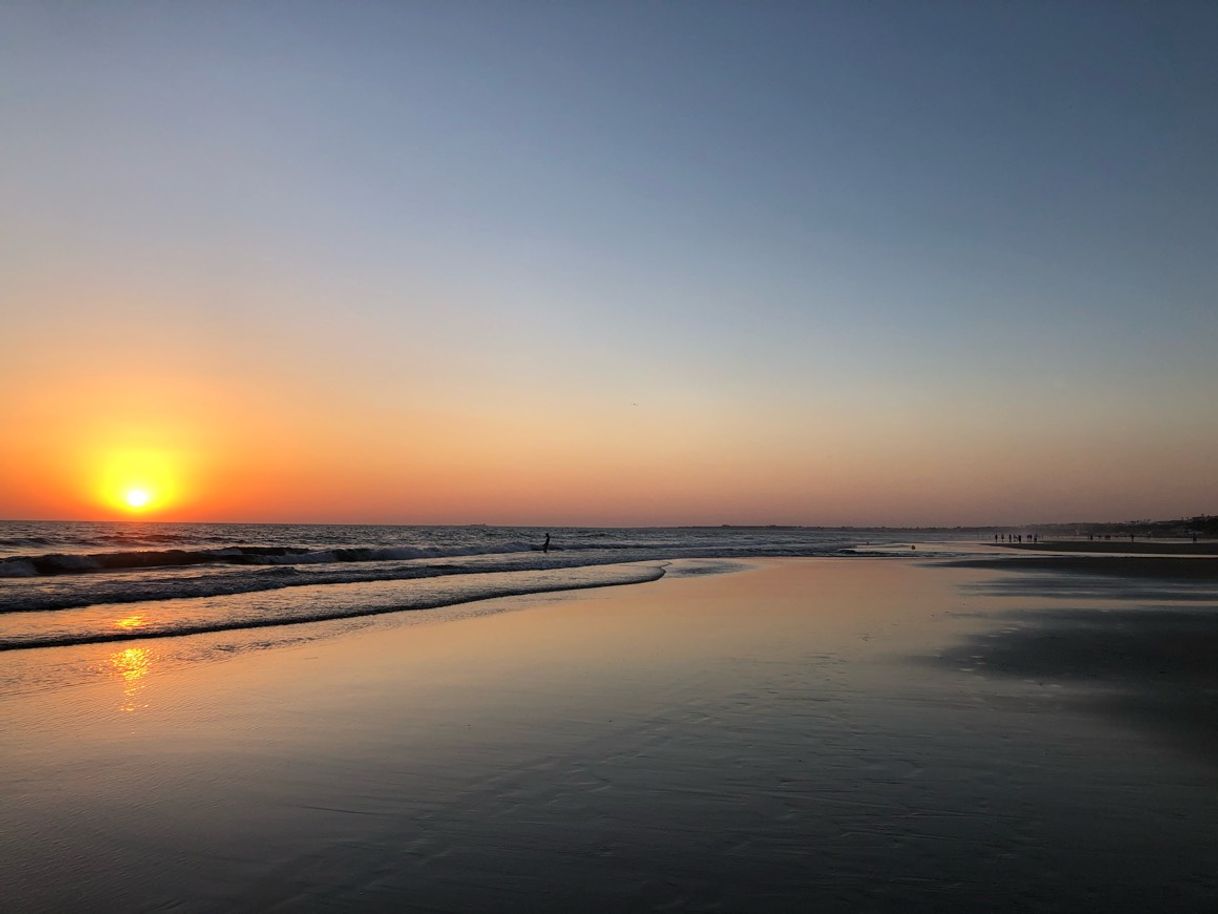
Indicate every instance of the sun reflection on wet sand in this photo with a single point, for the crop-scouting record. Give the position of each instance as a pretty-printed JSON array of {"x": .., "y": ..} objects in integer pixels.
[
  {"x": 133, "y": 621},
  {"x": 132, "y": 664}
]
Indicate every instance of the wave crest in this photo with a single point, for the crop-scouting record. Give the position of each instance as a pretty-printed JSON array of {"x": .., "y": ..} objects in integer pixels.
[
  {"x": 164, "y": 618},
  {"x": 78, "y": 563}
]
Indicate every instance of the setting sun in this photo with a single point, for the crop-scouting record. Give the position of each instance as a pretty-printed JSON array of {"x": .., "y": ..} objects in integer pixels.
[
  {"x": 137, "y": 498},
  {"x": 139, "y": 480}
]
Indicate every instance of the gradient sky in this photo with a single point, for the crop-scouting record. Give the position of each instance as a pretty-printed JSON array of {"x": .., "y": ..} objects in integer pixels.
[{"x": 602, "y": 263}]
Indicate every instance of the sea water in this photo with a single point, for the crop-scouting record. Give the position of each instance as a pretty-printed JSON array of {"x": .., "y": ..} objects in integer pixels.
[{"x": 81, "y": 582}]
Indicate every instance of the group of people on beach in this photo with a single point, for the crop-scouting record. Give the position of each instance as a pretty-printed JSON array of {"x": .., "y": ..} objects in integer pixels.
[{"x": 1016, "y": 537}]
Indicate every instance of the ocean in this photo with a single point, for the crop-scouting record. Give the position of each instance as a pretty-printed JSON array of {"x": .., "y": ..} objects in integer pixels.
[{"x": 67, "y": 583}]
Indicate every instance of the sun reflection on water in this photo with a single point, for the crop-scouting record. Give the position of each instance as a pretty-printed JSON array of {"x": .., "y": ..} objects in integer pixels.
[
  {"x": 133, "y": 621},
  {"x": 132, "y": 664}
]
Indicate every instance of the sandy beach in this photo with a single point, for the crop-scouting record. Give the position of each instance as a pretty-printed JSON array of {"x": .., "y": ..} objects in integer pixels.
[
  {"x": 1120, "y": 547},
  {"x": 832, "y": 734}
]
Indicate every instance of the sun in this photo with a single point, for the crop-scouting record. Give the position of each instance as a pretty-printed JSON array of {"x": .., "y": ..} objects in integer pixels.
[
  {"x": 142, "y": 481},
  {"x": 137, "y": 497}
]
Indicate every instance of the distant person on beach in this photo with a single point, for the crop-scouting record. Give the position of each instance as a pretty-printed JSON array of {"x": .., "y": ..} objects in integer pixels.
[{"x": 545, "y": 547}]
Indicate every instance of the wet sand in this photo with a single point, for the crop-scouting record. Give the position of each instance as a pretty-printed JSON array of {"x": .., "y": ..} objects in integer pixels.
[
  {"x": 810, "y": 734},
  {"x": 1179, "y": 547},
  {"x": 1158, "y": 567}
]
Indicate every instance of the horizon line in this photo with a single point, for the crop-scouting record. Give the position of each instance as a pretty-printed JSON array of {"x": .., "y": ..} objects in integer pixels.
[{"x": 671, "y": 526}]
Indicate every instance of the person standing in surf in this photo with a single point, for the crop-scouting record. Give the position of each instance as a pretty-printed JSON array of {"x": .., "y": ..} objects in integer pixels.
[{"x": 545, "y": 547}]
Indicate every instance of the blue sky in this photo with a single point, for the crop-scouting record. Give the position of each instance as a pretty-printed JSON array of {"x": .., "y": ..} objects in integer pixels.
[{"x": 944, "y": 226}]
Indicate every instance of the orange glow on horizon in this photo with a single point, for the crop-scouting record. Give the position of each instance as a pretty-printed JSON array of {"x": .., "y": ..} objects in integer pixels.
[
  {"x": 169, "y": 447},
  {"x": 139, "y": 480}
]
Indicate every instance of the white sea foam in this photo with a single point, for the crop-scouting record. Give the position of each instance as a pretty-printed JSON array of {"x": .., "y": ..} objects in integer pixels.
[{"x": 161, "y": 618}]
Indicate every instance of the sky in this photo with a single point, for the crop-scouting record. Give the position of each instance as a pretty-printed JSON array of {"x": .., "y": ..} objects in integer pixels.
[{"x": 609, "y": 263}]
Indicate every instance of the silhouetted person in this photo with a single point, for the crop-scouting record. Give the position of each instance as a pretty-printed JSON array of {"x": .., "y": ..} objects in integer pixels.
[{"x": 545, "y": 547}]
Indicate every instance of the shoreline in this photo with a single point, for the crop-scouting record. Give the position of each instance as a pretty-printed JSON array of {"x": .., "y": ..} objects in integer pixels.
[
  {"x": 1205, "y": 548},
  {"x": 657, "y": 571},
  {"x": 1159, "y": 567}
]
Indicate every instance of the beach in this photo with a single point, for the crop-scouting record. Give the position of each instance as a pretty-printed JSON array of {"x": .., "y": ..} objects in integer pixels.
[
  {"x": 807, "y": 733},
  {"x": 608, "y": 457}
]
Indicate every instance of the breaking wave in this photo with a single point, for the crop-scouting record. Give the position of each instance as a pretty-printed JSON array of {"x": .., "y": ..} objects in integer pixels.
[
  {"x": 71, "y": 563},
  {"x": 162, "y": 618}
]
